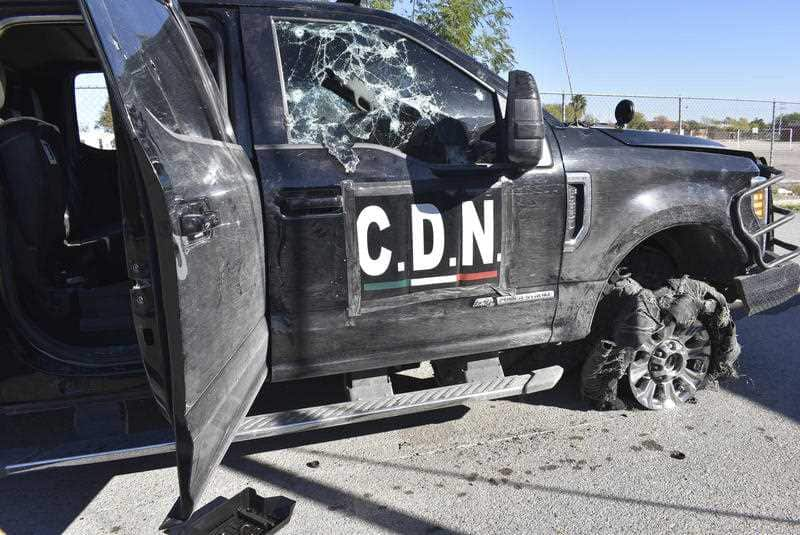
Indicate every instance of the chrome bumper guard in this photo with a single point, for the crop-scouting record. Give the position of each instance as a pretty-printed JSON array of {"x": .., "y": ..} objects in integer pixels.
[{"x": 765, "y": 258}]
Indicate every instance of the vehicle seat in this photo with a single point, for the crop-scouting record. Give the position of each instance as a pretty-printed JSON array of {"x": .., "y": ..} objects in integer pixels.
[
  {"x": 33, "y": 178},
  {"x": 93, "y": 198}
]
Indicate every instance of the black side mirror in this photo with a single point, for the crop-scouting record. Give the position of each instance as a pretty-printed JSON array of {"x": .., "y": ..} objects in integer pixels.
[
  {"x": 524, "y": 122},
  {"x": 624, "y": 112}
]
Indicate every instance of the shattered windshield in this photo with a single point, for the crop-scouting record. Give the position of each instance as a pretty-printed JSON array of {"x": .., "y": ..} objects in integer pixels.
[{"x": 348, "y": 83}]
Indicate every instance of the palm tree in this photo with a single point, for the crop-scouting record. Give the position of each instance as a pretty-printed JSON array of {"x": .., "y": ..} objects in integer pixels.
[{"x": 577, "y": 106}]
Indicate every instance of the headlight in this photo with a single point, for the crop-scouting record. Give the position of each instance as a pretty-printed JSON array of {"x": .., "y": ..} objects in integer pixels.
[{"x": 759, "y": 200}]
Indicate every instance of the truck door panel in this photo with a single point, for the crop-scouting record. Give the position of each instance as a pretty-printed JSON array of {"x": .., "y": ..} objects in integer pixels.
[
  {"x": 199, "y": 281},
  {"x": 327, "y": 313}
]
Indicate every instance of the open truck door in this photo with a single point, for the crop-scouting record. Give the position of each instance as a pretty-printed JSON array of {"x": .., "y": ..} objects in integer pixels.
[{"x": 195, "y": 245}]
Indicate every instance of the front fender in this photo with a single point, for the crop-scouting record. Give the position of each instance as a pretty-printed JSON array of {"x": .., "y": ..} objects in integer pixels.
[
  {"x": 715, "y": 254},
  {"x": 640, "y": 191},
  {"x": 712, "y": 225},
  {"x": 615, "y": 233}
]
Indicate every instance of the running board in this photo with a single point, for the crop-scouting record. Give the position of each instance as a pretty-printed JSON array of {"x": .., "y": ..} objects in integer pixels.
[{"x": 293, "y": 421}]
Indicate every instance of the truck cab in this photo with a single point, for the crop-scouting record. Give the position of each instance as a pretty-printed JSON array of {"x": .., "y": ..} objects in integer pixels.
[{"x": 303, "y": 189}]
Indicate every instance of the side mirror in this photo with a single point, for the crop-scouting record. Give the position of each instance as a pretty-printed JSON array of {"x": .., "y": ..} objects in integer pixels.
[
  {"x": 524, "y": 121},
  {"x": 624, "y": 112}
]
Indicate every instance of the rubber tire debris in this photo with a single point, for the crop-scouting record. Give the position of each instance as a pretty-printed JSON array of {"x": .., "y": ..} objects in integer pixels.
[{"x": 630, "y": 314}]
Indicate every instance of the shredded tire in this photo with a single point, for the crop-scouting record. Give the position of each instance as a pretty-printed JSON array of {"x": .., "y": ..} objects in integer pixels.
[{"x": 630, "y": 314}]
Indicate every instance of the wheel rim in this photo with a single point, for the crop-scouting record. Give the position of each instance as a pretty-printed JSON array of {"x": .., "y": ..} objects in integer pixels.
[{"x": 669, "y": 369}]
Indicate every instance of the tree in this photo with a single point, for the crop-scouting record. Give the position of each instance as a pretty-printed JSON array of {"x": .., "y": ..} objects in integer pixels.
[
  {"x": 573, "y": 112},
  {"x": 553, "y": 109},
  {"x": 760, "y": 124},
  {"x": 639, "y": 122},
  {"x": 106, "y": 120},
  {"x": 742, "y": 123},
  {"x": 386, "y": 5},
  {"x": 693, "y": 126},
  {"x": 662, "y": 122},
  {"x": 576, "y": 108},
  {"x": 478, "y": 27},
  {"x": 789, "y": 119}
]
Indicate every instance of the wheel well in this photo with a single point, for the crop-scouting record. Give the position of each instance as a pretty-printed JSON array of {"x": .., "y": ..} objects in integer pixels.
[{"x": 702, "y": 252}]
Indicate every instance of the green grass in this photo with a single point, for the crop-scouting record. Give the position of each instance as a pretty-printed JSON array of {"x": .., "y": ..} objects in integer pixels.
[{"x": 794, "y": 206}]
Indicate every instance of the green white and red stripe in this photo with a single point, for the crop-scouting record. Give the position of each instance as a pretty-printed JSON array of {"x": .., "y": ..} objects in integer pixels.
[{"x": 430, "y": 281}]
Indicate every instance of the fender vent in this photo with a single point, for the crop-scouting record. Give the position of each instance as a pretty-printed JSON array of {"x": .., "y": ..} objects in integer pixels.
[
  {"x": 579, "y": 209},
  {"x": 575, "y": 203}
]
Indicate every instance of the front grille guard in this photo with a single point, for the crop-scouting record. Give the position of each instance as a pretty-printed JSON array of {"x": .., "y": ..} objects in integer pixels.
[{"x": 751, "y": 239}]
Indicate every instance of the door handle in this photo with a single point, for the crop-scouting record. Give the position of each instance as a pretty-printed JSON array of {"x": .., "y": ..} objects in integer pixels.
[{"x": 197, "y": 219}]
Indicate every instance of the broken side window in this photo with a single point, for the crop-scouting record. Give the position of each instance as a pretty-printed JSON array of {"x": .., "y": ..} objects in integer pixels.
[{"x": 349, "y": 82}]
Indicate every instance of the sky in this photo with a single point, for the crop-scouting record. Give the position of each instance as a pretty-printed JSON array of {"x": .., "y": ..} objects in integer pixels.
[
  {"x": 744, "y": 49},
  {"x": 703, "y": 48}
]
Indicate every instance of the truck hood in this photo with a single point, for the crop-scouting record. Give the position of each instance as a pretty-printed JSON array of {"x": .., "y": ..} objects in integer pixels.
[{"x": 641, "y": 138}]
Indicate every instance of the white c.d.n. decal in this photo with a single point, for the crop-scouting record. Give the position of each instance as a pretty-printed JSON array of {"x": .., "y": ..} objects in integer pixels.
[
  {"x": 421, "y": 213},
  {"x": 481, "y": 234},
  {"x": 372, "y": 215}
]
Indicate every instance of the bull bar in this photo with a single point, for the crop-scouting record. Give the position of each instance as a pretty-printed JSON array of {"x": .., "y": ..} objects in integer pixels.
[{"x": 751, "y": 238}]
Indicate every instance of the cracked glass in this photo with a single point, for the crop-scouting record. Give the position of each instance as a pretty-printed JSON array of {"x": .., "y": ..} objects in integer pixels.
[{"x": 349, "y": 82}]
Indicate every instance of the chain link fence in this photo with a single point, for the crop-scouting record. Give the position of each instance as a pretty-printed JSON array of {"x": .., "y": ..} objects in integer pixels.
[
  {"x": 767, "y": 128},
  {"x": 95, "y": 126}
]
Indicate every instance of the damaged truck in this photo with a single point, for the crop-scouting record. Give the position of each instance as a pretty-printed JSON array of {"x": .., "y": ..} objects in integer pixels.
[{"x": 300, "y": 190}]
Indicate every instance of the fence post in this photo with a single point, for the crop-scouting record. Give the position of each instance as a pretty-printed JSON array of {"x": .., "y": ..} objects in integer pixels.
[
  {"x": 680, "y": 115},
  {"x": 772, "y": 137},
  {"x": 563, "y": 108}
]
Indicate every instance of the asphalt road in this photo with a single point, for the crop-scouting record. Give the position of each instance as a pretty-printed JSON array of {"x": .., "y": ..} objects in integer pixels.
[{"x": 544, "y": 463}]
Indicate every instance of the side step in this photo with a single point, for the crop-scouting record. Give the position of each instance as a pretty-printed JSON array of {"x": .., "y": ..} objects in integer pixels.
[{"x": 294, "y": 421}]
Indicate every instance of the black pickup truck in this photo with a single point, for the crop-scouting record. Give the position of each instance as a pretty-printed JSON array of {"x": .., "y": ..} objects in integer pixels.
[{"x": 306, "y": 189}]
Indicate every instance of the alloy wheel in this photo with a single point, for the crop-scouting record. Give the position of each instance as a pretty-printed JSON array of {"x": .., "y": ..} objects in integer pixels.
[{"x": 671, "y": 367}]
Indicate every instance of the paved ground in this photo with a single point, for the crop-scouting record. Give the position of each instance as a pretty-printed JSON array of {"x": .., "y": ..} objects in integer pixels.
[
  {"x": 790, "y": 232},
  {"x": 785, "y": 157},
  {"x": 539, "y": 464}
]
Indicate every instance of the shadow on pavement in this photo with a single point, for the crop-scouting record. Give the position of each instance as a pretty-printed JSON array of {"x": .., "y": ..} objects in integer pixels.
[
  {"x": 48, "y": 502},
  {"x": 67, "y": 491},
  {"x": 379, "y": 515},
  {"x": 770, "y": 360}
]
